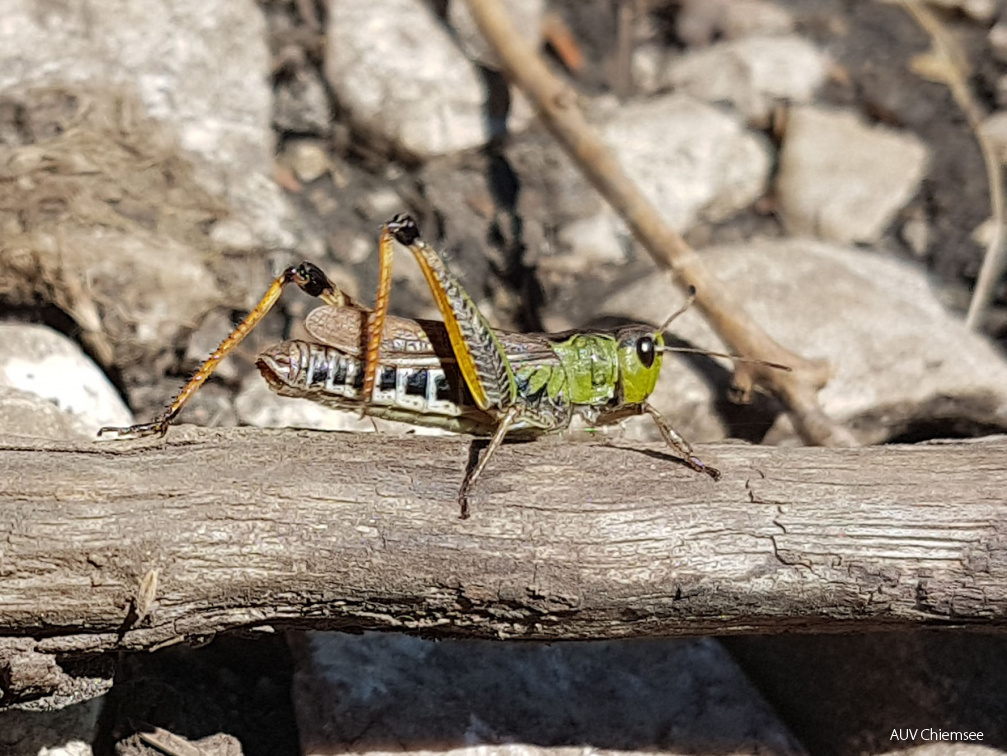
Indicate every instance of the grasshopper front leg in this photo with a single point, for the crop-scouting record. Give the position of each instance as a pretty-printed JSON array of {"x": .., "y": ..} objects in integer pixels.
[
  {"x": 307, "y": 276},
  {"x": 672, "y": 437},
  {"x": 676, "y": 441}
]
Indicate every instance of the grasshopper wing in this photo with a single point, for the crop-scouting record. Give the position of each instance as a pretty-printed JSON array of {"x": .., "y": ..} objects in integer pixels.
[
  {"x": 413, "y": 341},
  {"x": 343, "y": 328}
]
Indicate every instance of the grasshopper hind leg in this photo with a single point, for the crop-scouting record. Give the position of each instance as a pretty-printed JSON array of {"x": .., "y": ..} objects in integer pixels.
[
  {"x": 307, "y": 276},
  {"x": 675, "y": 440}
]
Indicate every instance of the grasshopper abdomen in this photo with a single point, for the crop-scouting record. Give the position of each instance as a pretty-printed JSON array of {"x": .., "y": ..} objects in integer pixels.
[{"x": 424, "y": 395}]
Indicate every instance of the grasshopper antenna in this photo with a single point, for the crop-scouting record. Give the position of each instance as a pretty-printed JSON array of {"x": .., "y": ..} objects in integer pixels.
[
  {"x": 690, "y": 299},
  {"x": 725, "y": 355}
]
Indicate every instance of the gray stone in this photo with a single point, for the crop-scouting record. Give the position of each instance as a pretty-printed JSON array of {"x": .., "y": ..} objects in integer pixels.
[
  {"x": 915, "y": 234},
  {"x": 522, "y": 699},
  {"x": 144, "y": 288},
  {"x": 201, "y": 66},
  {"x": 751, "y": 73},
  {"x": 598, "y": 240},
  {"x": 997, "y": 38},
  {"x": 306, "y": 158},
  {"x": 994, "y": 128},
  {"x": 843, "y": 180},
  {"x": 692, "y": 160},
  {"x": 63, "y": 732},
  {"x": 141, "y": 148},
  {"x": 979, "y": 10},
  {"x": 257, "y": 405},
  {"x": 38, "y": 360},
  {"x": 401, "y": 77},
  {"x": 526, "y": 16},
  {"x": 26, "y": 414},
  {"x": 865, "y": 693},
  {"x": 900, "y": 360},
  {"x": 302, "y": 104},
  {"x": 701, "y": 21}
]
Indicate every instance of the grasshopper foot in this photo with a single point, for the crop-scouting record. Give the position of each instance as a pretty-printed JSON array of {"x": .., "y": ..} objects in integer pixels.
[
  {"x": 699, "y": 466},
  {"x": 155, "y": 428}
]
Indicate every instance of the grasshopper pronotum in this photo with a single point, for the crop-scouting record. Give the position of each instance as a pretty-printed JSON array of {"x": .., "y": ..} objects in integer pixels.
[{"x": 459, "y": 374}]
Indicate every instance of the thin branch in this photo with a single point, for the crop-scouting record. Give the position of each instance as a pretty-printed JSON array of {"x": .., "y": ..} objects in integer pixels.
[
  {"x": 557, "y": 106},
  {"x": 951, "y": 67}
]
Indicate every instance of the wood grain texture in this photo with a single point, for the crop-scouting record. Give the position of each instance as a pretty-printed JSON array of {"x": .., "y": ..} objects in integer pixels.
[{"x": 136, "y": 544}]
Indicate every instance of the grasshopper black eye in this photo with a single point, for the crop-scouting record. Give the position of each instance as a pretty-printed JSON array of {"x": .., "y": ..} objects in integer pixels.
[{"x": 646, "y": 351}]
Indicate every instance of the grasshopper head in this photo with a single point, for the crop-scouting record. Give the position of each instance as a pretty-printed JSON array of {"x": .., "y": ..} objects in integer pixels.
[{"x": 639, "y": 362}]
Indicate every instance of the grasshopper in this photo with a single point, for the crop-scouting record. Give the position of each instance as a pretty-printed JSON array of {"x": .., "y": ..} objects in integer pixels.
[{"x": 460, "y": 374}]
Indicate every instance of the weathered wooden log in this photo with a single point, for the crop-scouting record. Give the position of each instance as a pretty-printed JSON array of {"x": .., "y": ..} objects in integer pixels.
[{"x": 138, "y": 544}]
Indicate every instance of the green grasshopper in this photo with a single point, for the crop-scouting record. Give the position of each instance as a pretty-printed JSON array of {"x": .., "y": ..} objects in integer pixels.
[{"x": 459, "y": 374}]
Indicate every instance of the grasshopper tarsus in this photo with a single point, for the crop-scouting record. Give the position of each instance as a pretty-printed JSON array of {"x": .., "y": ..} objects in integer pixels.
[
  {"x": 141, "y": 430},
  {"x": 699, "y": 466}
]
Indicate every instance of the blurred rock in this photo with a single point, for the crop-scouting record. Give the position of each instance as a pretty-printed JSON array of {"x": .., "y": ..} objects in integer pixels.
[
  {"x": 38, "y": 360},
  {"x": 915, "y": 234},
  {"x": 753, "y": 74},
  {"x": 601, "y": 239},
  {"x": 525, "y": 14},
  {"x": 702, "y": 21},
  {"x": 843, "y": 180},
  {"x": 200, "y": 66},
  {"x": 846, "y": 693},
  {"x": 68, "y": 731},
  {"x": 994, "y": 128},
  {"x": 26, "y": 414},
  {"x": 694, "y": 161},
  {"x": 306, "y": 158},
  {"x": 691, "y": 159},
  {"x": 997, "y": 38},
  {"x": 103, "y": 217},
  {"x": 649, "y": 63},
  {"x": 70, "y": 748},
  {"x": 903, "y": 365},
  {"x": 367, "y": 692},
  {"x": 301, "y": 104},
  {"x": 402, "y": 78},
  {"x": 979, "y": 10}
]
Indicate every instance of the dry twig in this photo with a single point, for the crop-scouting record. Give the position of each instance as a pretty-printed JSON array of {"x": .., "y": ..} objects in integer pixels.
[
  {"x": 557, "y": 106},
  {"x": 946, "y": 63}
]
